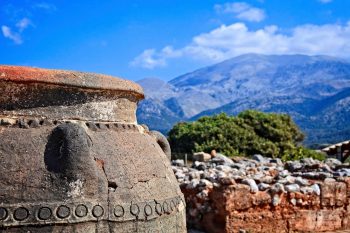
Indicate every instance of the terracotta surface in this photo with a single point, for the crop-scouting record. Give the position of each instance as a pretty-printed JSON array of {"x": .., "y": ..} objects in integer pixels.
[
  {"x": 67, "y": 95},
  {"x": 74, "y": 159},
  {"x": 21, "y": 74}
]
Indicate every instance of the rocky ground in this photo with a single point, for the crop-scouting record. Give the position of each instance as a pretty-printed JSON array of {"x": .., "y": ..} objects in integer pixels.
[{"x": 297, "y": 185}]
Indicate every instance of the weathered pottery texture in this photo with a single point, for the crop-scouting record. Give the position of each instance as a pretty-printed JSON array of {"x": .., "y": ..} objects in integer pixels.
[{"x": 74, "y": 159}]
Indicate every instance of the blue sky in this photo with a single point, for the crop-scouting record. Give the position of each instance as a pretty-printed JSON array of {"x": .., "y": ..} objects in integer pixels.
[{"x": 135, "y": 39}]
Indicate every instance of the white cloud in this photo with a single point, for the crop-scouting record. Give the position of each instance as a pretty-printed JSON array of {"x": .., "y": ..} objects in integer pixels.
[
  {"x": 232, "y": 40},
  {"x": 242, "y": 11},
  {"x": 23, "y": 24},
  {"x": 8, "y": 33},
  {"x": 325, "y": 1},
  {"x": 15, "y": 31},
  {"x": 150, "y": 58},
  {"x": 45, "y": 6},
  {"x": 16, "y": 36}
]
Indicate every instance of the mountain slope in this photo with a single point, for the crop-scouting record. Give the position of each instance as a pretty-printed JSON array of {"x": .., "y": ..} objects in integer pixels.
[{"x": 309, "y": 88}]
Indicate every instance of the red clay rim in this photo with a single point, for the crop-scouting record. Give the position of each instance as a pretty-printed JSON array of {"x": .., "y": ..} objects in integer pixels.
[{"x": 23, "y": 74}]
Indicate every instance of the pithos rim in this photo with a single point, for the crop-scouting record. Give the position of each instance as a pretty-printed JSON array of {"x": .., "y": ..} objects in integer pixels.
[{"x": 84, "y": 80}]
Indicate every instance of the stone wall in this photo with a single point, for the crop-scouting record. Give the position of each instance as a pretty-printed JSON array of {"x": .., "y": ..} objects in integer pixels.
[{"x": 266, "y": 195}]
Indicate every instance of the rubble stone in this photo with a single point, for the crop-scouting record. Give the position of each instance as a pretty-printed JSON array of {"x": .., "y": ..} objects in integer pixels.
[
  {"x": 201, "y": 157},
  {"x": 267, "y": 195}
]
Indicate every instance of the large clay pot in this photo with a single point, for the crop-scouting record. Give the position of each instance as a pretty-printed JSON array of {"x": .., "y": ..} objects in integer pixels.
[{"x": 74, "y": 159}]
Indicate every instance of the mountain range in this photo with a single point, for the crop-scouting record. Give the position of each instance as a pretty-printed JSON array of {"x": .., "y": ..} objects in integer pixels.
[{"x": 314, "y": 90}]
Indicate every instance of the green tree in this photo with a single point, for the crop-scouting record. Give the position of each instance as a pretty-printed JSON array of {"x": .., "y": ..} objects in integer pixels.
[{"x": 251, "y": 132}]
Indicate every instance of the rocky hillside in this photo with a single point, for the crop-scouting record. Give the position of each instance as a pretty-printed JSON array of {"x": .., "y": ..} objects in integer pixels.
[{"x": 314, "y": 90}]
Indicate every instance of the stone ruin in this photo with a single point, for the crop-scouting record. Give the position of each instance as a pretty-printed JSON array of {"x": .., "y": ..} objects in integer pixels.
[
  {"x": 265, "y": 195},
  {"x": 74, "y": 159}
]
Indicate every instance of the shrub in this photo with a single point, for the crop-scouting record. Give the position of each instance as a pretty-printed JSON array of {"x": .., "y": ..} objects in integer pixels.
[
  {"x": 251, "y": 132},
  {"x": 302, "y": 152}
]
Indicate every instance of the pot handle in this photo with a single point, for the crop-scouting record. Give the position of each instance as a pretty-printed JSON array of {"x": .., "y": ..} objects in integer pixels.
[
  {"x": 68, "y": 153},
  {"x": 162, "y": 142}
]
